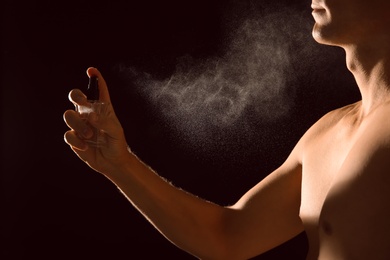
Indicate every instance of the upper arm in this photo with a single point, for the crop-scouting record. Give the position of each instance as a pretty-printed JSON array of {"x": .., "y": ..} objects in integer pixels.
[{"x": 268, "y": 214}]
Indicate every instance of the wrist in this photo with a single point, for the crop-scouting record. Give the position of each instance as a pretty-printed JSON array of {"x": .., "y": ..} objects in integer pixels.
[{"x": 124, "y": 165}]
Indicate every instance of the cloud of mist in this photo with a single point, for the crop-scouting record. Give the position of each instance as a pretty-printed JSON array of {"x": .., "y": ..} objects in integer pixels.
[{"x": 254, "y": 73}]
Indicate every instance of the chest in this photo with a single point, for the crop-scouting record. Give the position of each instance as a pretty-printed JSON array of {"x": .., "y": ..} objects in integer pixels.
[
  {"x": 345, "y": 190},
  {"x": 322, "y": 161}
]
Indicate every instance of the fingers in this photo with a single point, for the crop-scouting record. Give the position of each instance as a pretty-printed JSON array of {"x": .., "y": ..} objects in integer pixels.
[
  {"x": 82, "y": 121},
  {"x": 77, "y": 97},
  {"x": 72, "y": 139},
  {"x": 103, "y": 90},
  {"x": 76, "y": 123}
]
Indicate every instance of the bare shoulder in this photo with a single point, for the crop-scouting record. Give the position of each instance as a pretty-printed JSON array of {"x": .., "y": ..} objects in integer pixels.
[{"x": 327, "y": 122}]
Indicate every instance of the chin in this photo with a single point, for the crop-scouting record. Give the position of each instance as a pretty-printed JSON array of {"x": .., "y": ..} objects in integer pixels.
[
  {"x": 318, "y": 36},
  {"x": 324, "y": 36}
]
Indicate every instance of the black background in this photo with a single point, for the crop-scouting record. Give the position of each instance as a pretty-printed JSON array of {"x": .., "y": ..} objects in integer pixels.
[{"x": 54, "y": 206}]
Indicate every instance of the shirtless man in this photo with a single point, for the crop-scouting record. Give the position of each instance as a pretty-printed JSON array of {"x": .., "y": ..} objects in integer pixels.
[{"x": 335, "y": 184}]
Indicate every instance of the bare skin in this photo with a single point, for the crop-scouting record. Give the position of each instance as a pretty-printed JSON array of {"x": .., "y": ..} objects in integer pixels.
[{"x": 334, "y": 185}]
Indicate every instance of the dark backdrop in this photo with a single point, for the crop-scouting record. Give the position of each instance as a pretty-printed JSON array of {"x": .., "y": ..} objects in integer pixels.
[{"x": 54, "y": 206}]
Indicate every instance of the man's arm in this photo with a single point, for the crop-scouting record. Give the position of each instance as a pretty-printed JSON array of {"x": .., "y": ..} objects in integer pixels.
[{"x": 265, "y": 217}]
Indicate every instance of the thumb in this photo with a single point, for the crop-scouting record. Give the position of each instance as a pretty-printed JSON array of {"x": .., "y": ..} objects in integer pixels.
[
  {"x": 104, "y": 95},
  {"x": 105, "y": 119}
]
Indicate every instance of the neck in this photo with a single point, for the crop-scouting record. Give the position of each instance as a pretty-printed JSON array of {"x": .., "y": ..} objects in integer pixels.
[{"x": 370, "y": 65}]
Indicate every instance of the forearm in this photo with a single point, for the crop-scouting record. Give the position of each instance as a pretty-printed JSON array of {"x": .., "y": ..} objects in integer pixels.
[{"x": 189, "y": 222}]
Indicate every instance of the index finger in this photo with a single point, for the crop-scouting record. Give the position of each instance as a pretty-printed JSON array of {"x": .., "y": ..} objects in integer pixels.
[{"x": 77, "y": 97}]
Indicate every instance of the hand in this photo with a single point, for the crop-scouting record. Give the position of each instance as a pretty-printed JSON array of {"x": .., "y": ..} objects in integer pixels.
[{"x": 108, "y": 156}]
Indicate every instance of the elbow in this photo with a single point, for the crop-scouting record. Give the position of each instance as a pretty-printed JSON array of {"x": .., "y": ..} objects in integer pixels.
[{"x": 223, "y": 244}]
